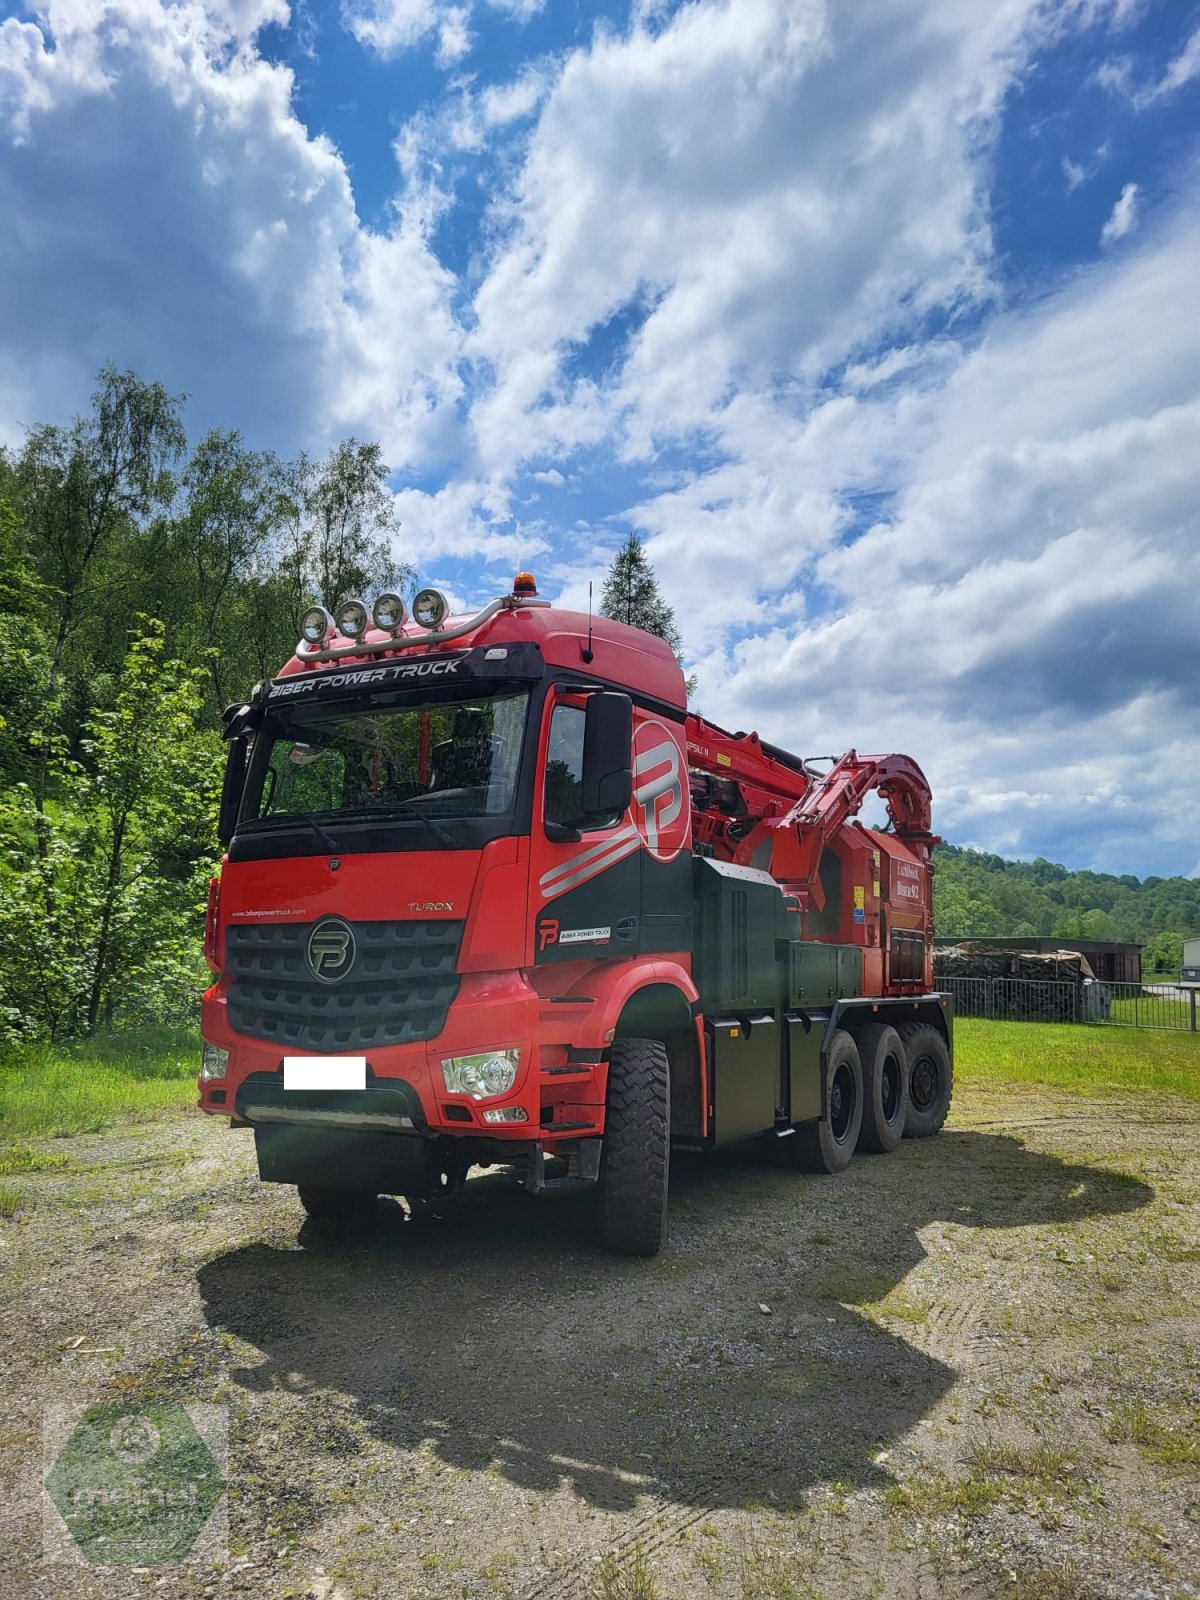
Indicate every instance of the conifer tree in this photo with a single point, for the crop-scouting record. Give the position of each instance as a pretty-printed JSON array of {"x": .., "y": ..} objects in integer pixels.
[{"x": 631, "y": 595}]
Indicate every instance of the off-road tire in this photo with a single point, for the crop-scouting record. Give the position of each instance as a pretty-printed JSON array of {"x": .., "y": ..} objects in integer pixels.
[
  {"x": 885, "y": 1087},
  {"x": 338, "y": 1208},
  {"x": 635, "y": 1165},
  {"x": 829, "y": 1145},
  {"x": 930, "y": 1079}
]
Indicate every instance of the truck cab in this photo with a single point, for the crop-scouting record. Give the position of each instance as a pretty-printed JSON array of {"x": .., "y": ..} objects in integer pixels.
[{"x": 456, "y": 856}]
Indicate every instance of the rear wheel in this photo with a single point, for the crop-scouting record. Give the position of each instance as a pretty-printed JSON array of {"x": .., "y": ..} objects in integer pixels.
[
  {"x": 828, "y": 1145},
  {"x": 885, "y": 1088},
  {"x": 930, "y": 1079},
  {"x": 637, "y": 1142},
  {"x": 336, "y": 1207}
]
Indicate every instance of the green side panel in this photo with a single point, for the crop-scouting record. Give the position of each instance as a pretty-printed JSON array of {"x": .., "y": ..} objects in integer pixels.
[
  {"x": 745, "y": 1078},
  {"x": 818, "y": 973},
  {"x": 804, "y": 1068},
  {"x": 738, "y": 912}
]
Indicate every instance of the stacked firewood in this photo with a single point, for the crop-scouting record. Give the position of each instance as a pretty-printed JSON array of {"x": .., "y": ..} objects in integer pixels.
[{"x": 1017, "y": 985}]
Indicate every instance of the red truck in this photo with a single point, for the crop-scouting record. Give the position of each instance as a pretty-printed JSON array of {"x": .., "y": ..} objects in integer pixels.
[{"x": 492, "y": 895}]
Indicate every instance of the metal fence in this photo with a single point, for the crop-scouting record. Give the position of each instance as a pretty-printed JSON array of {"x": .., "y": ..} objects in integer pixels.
[{"x": 1124, "y": 1005}]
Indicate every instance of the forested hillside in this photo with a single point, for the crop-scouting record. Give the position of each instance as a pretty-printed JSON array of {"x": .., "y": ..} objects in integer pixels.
[{"x": 982, "y": 895}]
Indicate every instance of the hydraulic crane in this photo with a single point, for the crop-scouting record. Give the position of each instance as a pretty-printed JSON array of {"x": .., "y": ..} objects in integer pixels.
[{"x": 756, "y": 805}]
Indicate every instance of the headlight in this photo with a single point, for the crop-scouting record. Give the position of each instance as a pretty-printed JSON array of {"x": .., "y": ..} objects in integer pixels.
[
  {"x": 431, "y": 608},
  {"x": 481, "y": 1076},
  {"x": 316, "y": 625},
  {"x": 352, "y": 619},
  {"x": 389, "y": 612},
  {"x": 213, "y": 1063}
]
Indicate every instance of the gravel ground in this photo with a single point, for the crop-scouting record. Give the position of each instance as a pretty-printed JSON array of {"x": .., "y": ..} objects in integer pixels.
[{"x": 967, "y": 1369}]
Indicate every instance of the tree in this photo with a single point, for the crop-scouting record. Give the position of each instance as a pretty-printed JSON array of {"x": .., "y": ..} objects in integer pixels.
[
  {"x": 1080, "y": 924},
  {"x": 1164, "y": 953},
  {"x": 234, "y": 504},
  {"x": 339, "y": 526},
  {"x": 80, "y": 485},
  {"x": 106, "y": 917},
  {"x": 631, "y": 595},
  {"x": 22, "y": 593}
]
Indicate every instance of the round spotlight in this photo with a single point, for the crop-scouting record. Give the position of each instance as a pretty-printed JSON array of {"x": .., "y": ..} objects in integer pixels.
[
  {"x": 316, "y": 625},
  {"x": 389, "y": 613},
  {"x": 430, "y": 608},
  {"x": 352, "y": 619}
]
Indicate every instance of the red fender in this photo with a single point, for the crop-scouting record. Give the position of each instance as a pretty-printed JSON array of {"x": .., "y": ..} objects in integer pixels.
[{"x": 627, "y": 981}]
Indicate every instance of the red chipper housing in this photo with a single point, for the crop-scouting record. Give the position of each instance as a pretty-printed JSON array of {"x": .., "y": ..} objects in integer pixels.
[{"x": 492, "y": 895}]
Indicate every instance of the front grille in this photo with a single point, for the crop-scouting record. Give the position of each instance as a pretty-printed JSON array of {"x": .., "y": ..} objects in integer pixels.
[{"x": 397, "y": 991}]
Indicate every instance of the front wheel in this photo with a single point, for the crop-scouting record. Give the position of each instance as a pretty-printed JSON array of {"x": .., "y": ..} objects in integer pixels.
[
  {"x": 637, "y": 1148},
  {"x": 930, "y": 1079},
  {"x": 828, "y": 1145}
]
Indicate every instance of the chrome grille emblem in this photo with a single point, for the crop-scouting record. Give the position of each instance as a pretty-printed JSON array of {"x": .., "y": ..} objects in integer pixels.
[{"x": 331, "y": 950}]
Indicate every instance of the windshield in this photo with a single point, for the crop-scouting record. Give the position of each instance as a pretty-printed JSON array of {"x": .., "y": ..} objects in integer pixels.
[{"x": 390, "y": 754}]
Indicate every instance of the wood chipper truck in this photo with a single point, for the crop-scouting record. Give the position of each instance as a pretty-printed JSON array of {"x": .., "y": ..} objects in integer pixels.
[{"x": 492, "y": 895}]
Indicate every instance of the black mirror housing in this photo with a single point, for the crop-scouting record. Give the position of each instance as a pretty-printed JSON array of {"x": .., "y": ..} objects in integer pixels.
[{"x": 607, "y": 754}]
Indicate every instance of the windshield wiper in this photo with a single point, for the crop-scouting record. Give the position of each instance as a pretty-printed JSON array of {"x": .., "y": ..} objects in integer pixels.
[
  {"x": 442, "y": 835},
  {"x": 324, "y": 837}
]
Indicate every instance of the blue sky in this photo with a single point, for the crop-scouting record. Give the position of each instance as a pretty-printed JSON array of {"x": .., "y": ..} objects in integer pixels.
[{"x": 876, "y": 319}]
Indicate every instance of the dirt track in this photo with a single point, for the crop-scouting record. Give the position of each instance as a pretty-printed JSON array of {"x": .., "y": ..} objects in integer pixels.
[{"x": 967, "y": 1369}]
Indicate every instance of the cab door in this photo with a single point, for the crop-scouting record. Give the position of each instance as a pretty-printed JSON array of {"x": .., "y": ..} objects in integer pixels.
[{"x": 587, "y": 884}]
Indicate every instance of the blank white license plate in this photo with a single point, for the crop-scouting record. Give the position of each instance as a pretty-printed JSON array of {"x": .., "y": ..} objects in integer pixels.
[{"x": 324, "y": 1072}]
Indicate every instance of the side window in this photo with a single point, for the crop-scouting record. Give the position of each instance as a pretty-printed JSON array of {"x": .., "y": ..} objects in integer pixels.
[{"x": 564, "y": 766}]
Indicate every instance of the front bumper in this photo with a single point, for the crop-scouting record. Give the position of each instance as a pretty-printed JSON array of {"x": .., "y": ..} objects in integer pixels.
[{"x": 405, "y": 1091}]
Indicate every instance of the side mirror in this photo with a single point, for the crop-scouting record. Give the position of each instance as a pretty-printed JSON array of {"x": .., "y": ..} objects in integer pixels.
[
  {"x": 231, "y": 789},
  {"x": 607, "y": 754}
]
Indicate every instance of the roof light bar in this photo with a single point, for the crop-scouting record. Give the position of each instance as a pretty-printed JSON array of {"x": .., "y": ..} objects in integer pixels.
[{"x": 311, "y": 653}]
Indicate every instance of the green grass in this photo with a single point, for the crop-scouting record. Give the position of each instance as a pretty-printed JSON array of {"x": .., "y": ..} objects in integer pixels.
[
  {"x": 24, "y": 1158},
  {"x": 625, "y": 1576},
  {"x": 51, "y": 1091},
  {"x": 1153, "y": 1011},
  {"x": 1169, "y": 1444},
  {"x": 1076, "y": 1057}
]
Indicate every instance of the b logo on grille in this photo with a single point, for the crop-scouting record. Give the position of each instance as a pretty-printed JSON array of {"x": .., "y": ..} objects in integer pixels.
[{"x": 331, "y": 950}]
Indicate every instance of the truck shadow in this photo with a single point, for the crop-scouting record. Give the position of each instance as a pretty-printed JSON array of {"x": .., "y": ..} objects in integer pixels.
[{"x": 494, "y": 1332}]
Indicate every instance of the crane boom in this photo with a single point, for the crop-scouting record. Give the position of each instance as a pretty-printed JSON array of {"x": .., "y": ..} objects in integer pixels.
[{"x": 762, "y": 806}]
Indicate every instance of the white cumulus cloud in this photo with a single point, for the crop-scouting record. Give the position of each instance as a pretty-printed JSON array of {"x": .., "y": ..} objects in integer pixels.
[{"x": 168, "y": 209}]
